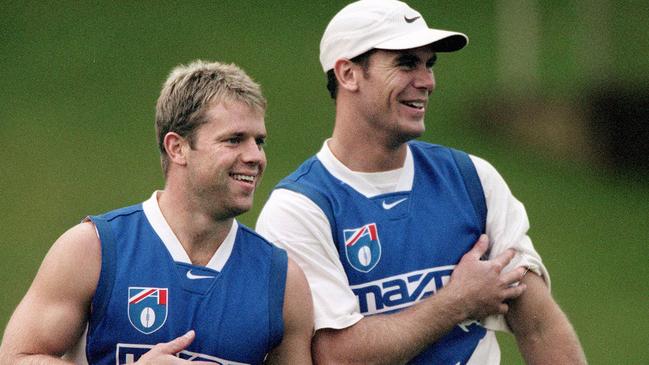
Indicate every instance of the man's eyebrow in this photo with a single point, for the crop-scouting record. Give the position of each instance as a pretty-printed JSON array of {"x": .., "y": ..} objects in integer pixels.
[
  {"x": 407, "y": 57},
  {"x": 242, "y": 134}
]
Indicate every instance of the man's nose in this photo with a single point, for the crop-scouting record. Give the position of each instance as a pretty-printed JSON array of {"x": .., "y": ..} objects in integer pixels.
[
  {"x": 253, "y": 152},
  {"x": 425, "y": 79}
]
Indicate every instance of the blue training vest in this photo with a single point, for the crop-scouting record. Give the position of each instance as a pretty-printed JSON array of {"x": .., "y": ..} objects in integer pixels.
[
  {"x": 143, "y": 297},
  {"x": 401, "y": 247}
]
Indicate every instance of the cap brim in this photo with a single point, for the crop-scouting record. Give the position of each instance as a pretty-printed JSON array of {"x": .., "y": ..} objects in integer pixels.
[{"x": 440, "y": 40}]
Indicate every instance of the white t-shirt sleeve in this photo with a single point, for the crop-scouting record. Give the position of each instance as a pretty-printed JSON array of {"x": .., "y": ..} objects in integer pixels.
[
  {"x": 295, "y": 223},
  {"x": 507, "y": 226}
]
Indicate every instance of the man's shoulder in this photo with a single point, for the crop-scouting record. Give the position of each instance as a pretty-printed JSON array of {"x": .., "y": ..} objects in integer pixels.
[
  {"x": 253, "y": 238},
  {"x": 437, "y": 151},
  {"x": 430, "y": 148},
  {"x": 309, "y": 166},
  {"x": 424, "y": 145},
  {"x": 478, "y": 161},
  {"x": 120, "y": 212},
  {"x": 310, "y": 178}
]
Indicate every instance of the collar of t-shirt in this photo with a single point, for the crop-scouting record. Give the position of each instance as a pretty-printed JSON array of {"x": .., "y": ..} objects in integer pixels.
[
  {"x": 369, "y": 183},
  {"x": 171, "y": 242}
]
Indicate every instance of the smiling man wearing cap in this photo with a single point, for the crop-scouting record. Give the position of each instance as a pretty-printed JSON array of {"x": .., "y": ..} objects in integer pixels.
[{"x": 385, "y": 227}]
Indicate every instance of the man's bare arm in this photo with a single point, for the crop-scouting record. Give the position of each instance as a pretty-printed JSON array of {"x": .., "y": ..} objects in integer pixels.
[
  {"x": 295, "y": 347},
  {"x": 53, "y": 314},
  {"x": 543, "y": 332}
]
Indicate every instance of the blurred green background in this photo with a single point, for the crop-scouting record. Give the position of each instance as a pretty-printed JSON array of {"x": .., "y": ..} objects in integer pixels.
[{"x": 79, "y": 81}]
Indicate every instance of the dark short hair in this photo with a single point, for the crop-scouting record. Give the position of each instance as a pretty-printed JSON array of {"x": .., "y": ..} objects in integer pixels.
[{"x": 362, "y": 59}]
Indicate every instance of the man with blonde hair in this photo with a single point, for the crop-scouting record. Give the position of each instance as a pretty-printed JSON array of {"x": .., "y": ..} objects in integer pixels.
[{"x": 175, "y": 278}]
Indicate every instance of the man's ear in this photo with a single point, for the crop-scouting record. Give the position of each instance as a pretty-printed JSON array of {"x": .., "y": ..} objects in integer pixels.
[
  {"x": 347, "y": 74},
  {"x": 176, "y": 147}
]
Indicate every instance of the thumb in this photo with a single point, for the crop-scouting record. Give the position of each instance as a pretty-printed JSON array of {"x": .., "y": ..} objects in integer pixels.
[{"x": 178, "y": 344}]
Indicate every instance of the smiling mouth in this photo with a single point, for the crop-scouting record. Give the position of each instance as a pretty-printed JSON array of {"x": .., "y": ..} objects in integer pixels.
[
  {"x": 419, "y": 105},
  {"x": 245, "y": 178}
]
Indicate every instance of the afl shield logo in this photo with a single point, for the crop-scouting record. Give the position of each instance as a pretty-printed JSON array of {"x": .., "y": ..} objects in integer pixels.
[
  {"x": 362, "y": 247},
  {"x": 147, "y": 308}
]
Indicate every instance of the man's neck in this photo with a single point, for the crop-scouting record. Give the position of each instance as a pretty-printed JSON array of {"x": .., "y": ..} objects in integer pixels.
[
  {"x": 360, "y": 145},
  {"x": 368, "y": 157},
  {"x": 199, "y": 233},
  {"x": 363, "y": 149}
]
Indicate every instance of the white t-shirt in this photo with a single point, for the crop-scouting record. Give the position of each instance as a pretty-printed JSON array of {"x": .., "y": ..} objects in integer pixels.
[{"x": 294, "y": 222}]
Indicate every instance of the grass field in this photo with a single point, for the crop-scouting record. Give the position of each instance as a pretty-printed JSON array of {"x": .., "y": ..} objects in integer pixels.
[{"x": 79, "y": 84}]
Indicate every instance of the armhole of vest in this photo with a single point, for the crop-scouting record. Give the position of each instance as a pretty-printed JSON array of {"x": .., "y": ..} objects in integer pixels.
[
  {"x": 315, "y": 196},
  {"x": 473, "y": 185},
  {"x": 276, "y": 289},
  {"x": 108, "y": 269}
]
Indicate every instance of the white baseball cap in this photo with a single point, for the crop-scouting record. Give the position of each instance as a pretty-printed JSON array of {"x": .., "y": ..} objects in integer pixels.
[{"x": 383, "y": 24}]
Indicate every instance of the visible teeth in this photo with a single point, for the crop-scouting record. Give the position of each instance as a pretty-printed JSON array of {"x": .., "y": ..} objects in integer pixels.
[
  {"x": 247, "y": 178},
  {"x": 414, "y": 104}
]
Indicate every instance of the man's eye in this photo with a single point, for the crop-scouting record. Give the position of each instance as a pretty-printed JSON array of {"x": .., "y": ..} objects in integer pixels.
[
  {"x": 408, "y": 65},
  {"x": 234, "y": 140},
  {"x": 431, "y": 62},
  {"x": 261, "y": 141}
]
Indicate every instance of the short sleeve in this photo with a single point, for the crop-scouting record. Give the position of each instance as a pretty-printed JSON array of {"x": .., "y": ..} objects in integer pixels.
[
  {"x": 295, "y": 223},
  {"x": 507, "y": 227}
]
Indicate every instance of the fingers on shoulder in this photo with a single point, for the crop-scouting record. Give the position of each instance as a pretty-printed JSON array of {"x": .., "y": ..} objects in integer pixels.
[
  {"x": 504, "y": 258},
  {"x": 514, "y": 276}
]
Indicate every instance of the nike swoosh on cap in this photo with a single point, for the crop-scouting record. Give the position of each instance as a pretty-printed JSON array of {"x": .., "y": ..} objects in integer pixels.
[
  {"x": 388, "y": 206},
  {"x": 195, "y": 277},
  {"x": 410, "y": 20}
]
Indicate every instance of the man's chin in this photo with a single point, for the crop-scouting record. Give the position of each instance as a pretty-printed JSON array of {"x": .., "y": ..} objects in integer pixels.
[
  {"x": 409, "y": 135},
  {"x": 412, "y": 126},
  {"x": 234, "y": 211},
  {"x": 238, "y": 210}
]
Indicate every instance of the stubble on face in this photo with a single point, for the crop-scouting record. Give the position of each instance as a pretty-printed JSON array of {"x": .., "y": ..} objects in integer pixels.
[
  {"x": 228, "y": 159},
  {"x": 395, "y": 92}
]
